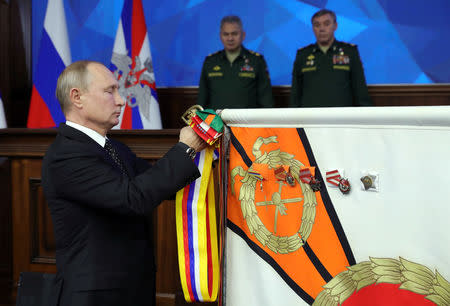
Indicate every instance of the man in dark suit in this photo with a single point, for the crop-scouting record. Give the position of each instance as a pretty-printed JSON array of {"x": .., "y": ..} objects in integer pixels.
[{"x": 100, "y": 194}]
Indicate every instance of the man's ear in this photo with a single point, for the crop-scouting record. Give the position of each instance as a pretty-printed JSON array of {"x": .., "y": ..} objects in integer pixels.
[
  {"x": 76, "y": 97},
  {"x": 243, "y": 35}
]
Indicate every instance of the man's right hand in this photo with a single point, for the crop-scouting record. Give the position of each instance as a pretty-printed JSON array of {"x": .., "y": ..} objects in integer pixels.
[{"x": 189, "y": 137}]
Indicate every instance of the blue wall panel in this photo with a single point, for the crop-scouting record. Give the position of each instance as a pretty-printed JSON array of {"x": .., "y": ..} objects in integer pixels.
[{"x": 401, "y": 41}]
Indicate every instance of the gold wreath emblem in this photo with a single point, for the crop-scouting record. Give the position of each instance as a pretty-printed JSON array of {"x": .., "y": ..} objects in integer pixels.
[
  {"x": 410, "y": 275},
  {"x": 278, "y": 244}
]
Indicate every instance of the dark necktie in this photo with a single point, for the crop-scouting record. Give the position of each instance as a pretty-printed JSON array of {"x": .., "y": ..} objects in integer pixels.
[{"x": 115, "y": 157}]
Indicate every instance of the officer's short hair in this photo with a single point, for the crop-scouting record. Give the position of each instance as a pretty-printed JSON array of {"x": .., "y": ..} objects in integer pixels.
[
  {"x": 231, "y": 19},
  {"x": 324, "y": 12},
  {"x": 76, "y": 75}
]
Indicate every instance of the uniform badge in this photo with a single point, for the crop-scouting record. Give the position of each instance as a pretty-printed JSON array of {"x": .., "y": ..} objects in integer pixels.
[
  {"x": 216, "y": 68},
  {"x": 341, "y": 59},
  {"x": 247, "y": 67},
  {"x": 310, "y": 60}
]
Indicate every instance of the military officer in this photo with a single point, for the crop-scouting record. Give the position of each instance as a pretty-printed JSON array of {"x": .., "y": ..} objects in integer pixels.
[
  {"x": 234, "y": 77},
  {"x": 329, "y": 72}
]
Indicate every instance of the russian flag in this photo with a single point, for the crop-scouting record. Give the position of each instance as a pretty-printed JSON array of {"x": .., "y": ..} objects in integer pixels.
[
  {"x": 54, "y": 56},
  {"x": 131, "y": 63},
  {"x": 2, "y": 114}
]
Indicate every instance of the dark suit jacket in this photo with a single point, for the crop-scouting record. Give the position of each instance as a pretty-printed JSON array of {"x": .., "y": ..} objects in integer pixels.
[{"x": 99, "y": 214}]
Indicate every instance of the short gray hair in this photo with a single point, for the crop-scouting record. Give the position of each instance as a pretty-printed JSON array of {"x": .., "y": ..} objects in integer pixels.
[
  {"x": 231, "y": 19},
  {"x": 76, "y": 75},
  {"x": 323, "y": 12}
]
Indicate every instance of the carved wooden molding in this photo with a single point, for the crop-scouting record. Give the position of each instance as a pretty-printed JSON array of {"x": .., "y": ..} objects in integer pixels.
[
  {"x": 285, "y": 90},
  {"x": 148, "y": 144},
  {"x": 42, "y": 245}
]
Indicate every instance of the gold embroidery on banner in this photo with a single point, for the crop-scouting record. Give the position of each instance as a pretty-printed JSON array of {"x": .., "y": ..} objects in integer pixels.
[
  {"x": 308, "y": 69},
  {"x": 278, "y": 244},
  {"x": 347, "y": 68},
  {"x": 412, "y": 276}
]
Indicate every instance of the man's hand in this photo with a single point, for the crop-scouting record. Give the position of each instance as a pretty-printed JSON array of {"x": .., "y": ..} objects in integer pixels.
[{"x": 189, "y": 137}]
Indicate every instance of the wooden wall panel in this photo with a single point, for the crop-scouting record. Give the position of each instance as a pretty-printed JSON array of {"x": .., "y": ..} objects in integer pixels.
[
  {"x": 42, "y": 240},
  {"x": 5, "y": 232}
]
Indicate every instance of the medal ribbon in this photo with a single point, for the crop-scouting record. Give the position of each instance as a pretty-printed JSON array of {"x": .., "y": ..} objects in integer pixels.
[
  {"x": 197, "y": 234},
  {"x": 333, "y": 177},
  {"x": 305, "y": 175}
]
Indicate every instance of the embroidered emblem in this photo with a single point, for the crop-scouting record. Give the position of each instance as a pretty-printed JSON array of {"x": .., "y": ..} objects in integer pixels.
[
  {"x": 409, "y": 275},
  {"x": 278, "y": 244}
]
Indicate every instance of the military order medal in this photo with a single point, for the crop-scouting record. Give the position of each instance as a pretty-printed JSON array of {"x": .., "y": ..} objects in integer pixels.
[
  {"x": 308, "y": 178},
  {"x": 370, "y": 181},
  {"x": 282, "y": 175},
  {"x": 334, "y": 179},
  {"x": 344, "y": 185},
  {"x": 367, "y": 182}
]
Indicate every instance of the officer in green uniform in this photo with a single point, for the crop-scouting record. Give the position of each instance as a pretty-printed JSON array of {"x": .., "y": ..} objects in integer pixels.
[
  {"x": 234, "y": 77},
  {"x": 329, "y": 72}
]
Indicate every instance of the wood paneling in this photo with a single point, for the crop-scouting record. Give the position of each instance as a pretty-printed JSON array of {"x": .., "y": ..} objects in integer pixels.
[
  {"x": 5, "y": 232},
  {"x": 410, "y": 95},
  {"x": 41, "y": 227}
]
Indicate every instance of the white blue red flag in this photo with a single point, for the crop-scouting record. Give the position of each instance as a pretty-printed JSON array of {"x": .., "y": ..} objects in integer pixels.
[
  {"x": 2, "y": 114},
  {"x": 54, "y": 56},
  {"x": 131, "y": 63}
]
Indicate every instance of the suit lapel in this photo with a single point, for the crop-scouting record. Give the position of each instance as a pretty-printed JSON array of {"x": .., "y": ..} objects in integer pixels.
[{"x": 72, "y": 133}]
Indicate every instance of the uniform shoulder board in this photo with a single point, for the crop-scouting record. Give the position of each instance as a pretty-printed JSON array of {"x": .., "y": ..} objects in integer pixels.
[
  {"x": 211, "y": 54},
  {"x": 305, "y": 47},
  {"x": 348, "y": 44},
  {"x": 254, "y": 53}
]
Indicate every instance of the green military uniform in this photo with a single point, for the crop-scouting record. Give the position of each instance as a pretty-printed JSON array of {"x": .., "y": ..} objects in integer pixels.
[
  {"x": 245, "y": 83},
  {"x": 335, "y": 78}
]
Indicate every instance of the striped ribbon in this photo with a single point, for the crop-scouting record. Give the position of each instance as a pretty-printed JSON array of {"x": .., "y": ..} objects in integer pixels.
[
  {"x": 333, "y": 177},
  {"x": 197, "y": 234}
]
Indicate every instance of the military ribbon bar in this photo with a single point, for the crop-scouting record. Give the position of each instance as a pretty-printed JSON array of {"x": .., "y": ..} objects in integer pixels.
[
  {"x": 333, "y": 177},
  {"x": 197, "y": 234},
  {"x": 305, "y": 175}
]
